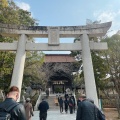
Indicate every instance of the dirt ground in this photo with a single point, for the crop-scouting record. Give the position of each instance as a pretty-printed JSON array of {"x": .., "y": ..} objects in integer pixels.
[{"x": 111, "y": 114}]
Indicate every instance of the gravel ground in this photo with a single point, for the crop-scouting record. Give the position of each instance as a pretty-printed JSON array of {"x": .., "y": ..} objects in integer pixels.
[{"x": 111, "y": 114}]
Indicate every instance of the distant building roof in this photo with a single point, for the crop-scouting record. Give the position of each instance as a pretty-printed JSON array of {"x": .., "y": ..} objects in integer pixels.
[{"x": 59, "y": 58}]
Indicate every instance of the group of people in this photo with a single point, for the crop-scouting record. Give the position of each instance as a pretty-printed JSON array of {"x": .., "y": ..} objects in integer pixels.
[
  {"x": 86, "y": 109},
  {"x": 68, "y": 102},
  {"x": 10, "y": 109}
]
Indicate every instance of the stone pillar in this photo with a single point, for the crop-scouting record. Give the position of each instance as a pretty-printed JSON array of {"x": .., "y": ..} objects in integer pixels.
[
  {"x": 90, "y": 85},
  {"x": 19, "y": 63}
]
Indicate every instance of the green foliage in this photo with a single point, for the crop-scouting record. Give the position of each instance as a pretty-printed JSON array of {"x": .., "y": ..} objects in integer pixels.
[
  {"x": 77, "y": 80},
  {"x": 100, "y": 69},
  {"x": 99, "y": 66},
  {"x": 11, "y": 14},
  {"x": 4, "y": 3},
  {"x": 25, "y": 18},
  {"x": 33, "y": 64},
  {"x": 34, "y": 98},
  {"x": 6, "y": 67},
  {"x": 112, "y": 56},
  {"x": 58, "y": 90}
]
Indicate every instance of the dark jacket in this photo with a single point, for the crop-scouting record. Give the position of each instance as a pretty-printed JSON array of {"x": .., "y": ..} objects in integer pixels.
[
  {"x": 100, "y": 115},
  {"x": 61, "y": 102},
  {"x": 73, "y": 98},
  {"x": 86, "y": 111},
  {"x": 71, "y": 102},
  {"x": 78, "y": 101},
  {"x": 43, "y": 107},
  {"x": 18, "y": 112},
  {"x": 66, "y": 102}
]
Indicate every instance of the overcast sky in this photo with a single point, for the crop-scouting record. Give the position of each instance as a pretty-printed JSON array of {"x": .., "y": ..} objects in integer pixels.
[{"x": 73, "y": 12}]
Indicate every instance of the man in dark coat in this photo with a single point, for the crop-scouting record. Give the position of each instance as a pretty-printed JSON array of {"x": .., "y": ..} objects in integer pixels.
[
  {"x": 61, "y": 104},
  {"x": 66, "y": 102},
  {"x": 43, "y": 107},
  {"x": 87, "y": 111},
  {"x": 18, "y": 112},
  {"x": 98, "y": 112},
  {"x": 74, "y": 104}
]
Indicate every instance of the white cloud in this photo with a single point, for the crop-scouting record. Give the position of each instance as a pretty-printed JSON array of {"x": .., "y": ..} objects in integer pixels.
[
  {"x": 23, "y": 6},
  {"x": 106, "y": 16}
]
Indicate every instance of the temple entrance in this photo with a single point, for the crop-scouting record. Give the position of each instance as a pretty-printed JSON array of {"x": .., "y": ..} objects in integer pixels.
[
  {"x": 58, "y": 88},
  {"x": 61, "y": 67}
]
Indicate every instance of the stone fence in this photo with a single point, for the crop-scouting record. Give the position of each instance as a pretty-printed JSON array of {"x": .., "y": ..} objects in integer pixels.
[{"x": 106, "y": 103}]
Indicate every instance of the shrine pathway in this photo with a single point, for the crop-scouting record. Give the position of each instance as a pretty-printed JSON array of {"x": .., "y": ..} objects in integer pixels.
[{"x": 56, "y": 115}]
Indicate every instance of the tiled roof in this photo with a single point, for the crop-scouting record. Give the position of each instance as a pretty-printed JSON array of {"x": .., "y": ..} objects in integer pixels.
[{"x": 59, "y": 58}]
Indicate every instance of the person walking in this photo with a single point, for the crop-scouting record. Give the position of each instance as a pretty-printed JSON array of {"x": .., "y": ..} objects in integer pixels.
[
  {"x": 74, "y": 104},
  {"x": 47, "y": 93},
  {"x": 66, "y": 103},
  {"x": 87, "y": 110},
  {"x": 66, "y": 95},
  {"x": 71, "y": 104},
  {"x": 59, "y": 98},
  {"x": 17, "y": 112},
  {"x": 98, "y": 112},
  {"x": 61, "y": 104},
  {"x": 28, "y": 109},
  {"x": 43, "y": 107}
]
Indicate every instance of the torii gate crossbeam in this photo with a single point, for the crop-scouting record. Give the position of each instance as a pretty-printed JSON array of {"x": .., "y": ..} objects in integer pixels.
[
  {"x": 53, "y": 33},
  {"x": 44, "y": 46}
]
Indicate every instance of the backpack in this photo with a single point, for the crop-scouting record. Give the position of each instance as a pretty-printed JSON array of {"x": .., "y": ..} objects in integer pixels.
[{"x": 5, "y": 111}]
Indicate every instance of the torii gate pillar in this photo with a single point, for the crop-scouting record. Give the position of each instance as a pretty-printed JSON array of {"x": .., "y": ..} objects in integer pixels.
[
  {"x": 19, "y": 62},
  {"x": 88, "y": 69}
]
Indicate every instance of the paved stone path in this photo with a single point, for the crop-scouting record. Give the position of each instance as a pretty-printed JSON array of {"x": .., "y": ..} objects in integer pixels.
[{"x": 55, "y": 115}]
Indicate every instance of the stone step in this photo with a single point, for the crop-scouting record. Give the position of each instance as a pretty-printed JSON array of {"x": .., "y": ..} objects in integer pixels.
[{"x": 51, "y": 102}]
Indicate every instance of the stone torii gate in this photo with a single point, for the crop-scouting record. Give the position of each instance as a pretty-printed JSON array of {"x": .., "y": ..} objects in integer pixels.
[{"x": 53, "y": 33}]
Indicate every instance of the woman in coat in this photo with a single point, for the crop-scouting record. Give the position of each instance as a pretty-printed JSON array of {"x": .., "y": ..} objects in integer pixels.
[{"x": 28, "y": 109}]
